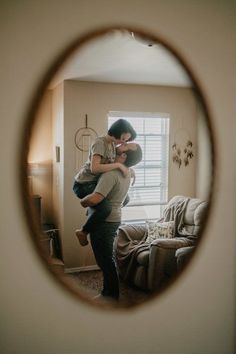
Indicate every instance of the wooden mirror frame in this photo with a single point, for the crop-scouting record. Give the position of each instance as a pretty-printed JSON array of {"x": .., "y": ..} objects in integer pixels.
[{"x": 31, "y": 218}]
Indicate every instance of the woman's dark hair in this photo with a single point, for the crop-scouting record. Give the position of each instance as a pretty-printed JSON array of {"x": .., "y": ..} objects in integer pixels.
[
  {"x": 133, "y": 156},
  {"x": 120, "y": 127}
]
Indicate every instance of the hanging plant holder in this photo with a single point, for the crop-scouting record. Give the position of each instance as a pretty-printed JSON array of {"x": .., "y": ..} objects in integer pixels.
[{"x": 84, "y": 137}]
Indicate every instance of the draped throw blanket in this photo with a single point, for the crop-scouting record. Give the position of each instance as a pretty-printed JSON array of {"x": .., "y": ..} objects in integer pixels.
[
  {"x": 175, "y": 212},
  {"x": 128, "y": 247},
  {"x": 133, "y": 240}
]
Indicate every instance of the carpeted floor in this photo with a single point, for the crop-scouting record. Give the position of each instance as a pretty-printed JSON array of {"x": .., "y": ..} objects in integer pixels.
[{"x": 90, "y": 283}]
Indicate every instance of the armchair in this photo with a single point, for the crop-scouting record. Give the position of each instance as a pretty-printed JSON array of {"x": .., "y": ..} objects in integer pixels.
[{"x": 150, "y": 265}]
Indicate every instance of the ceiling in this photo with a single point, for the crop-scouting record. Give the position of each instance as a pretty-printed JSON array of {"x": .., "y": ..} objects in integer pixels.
[{"x": 123, "y": 57}]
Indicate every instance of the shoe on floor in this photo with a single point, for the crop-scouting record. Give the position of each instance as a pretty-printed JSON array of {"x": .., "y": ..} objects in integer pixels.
[{"x": 82, "y": 237}]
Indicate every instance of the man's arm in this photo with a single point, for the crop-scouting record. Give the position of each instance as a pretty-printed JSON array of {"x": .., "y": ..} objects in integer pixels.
[
  {"x": 98, "y": 167},
  {"x": 91, "y": 199},
  {"x": 105, "y": 184}
]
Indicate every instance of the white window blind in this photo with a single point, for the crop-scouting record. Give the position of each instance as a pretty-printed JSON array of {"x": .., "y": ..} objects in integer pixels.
[{"x": 151, "y": 186}]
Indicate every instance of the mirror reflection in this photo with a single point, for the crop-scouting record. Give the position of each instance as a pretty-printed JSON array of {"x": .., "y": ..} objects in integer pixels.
[{"x": 119, "y": 169}]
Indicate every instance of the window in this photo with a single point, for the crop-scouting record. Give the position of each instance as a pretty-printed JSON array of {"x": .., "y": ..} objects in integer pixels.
[{"x": 150, "y": 191}]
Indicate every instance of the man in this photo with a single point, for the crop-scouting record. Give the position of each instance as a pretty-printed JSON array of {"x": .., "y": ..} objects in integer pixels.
[{"x": 114, "y": 186}]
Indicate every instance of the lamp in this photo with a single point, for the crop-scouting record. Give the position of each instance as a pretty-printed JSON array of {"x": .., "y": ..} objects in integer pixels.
[
  {"x": 35, "y": 169},
  {"x": 32, "y": 172}
]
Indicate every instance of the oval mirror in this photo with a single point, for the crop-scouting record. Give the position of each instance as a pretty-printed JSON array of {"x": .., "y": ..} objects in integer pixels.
[{"x": 101, "y": 78}]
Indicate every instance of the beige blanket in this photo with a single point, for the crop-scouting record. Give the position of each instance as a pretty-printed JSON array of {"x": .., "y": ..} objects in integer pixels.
[{"x": 175, "y": 212}]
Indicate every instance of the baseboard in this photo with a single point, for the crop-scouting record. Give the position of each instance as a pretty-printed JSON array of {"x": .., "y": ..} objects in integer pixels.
[{"x": 81, "y": 269}]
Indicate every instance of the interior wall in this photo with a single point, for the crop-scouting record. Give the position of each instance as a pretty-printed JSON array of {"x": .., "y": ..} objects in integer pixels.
[
  {"x": 58, "y": 156},
  {"x": 96, "y": 100},
  {"x": 204, "y": 158},
  {"x": 40, "y": 159},
  {"x": 195, "y": 315}
]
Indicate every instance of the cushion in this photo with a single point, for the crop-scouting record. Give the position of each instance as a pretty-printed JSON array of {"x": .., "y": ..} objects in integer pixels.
[
  {"x": 194, "y": 212},
  {"x": 194, "y": 216},
  {"x": 157, "y": 229}
]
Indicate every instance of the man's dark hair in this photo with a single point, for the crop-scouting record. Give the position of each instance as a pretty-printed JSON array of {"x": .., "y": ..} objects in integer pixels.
[
  {"x": 133, "y": 156},
  {"x": 120, "y": 127}
]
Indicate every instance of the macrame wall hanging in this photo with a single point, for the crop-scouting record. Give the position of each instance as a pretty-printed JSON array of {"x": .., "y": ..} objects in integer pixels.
[
  {"x": 84, "y": 137},
  {"x": 182, "y": 148}
]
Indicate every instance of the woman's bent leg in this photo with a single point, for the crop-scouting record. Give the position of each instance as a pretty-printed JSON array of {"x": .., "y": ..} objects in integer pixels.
[
  {"x": 83, "y": 189},
  {"x": 97, "y": 214}
]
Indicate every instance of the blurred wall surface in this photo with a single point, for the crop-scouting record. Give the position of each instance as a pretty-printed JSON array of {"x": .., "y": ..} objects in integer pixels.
[{"x": 197, "y": 314}]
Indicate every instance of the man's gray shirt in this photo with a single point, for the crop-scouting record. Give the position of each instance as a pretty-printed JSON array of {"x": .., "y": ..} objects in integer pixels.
[{"x": 114, "y": 186}]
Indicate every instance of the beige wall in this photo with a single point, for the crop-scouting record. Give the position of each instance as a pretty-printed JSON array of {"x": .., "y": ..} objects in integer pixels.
[
  {"x": 204, "y": 157},
  {"x": 97, "y": 100},
  {"x": 40, "y": 155},
  {"x": 58, "y": 166},
  {"x": 197, "y": 314}
]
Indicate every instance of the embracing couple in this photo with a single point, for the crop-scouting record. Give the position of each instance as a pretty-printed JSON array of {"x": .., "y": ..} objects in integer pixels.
[{"x": 102, "y": 184}]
